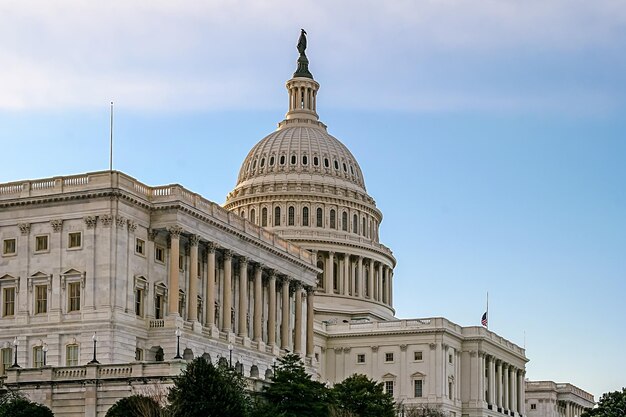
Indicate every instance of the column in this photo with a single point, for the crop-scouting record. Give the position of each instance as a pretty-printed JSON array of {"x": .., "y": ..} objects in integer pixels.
[
  {"x": 568, "y": 410},
  {"x": 271, "y": 310},
  {"x": 386, "y": 285},
  {"x": 520, "y": 392},
  {"x": 492, "y": 377},
  {"x": 505, "y": 396},
  {"x": 192, "y": 301},
  {"x": 173, "y": 287},
  {"x": 379, "y": 296},
  {"x": 359, "y": 277},
  {"x": 499, "y": 384},
  {"x": 513, "y": 389},
  {"x": 284, "y": 325},
  {"x": 210, "y": 286},
  {"x": 346, "y": 274},
  {"x": 243, "y": 297},
  {"x": 370, "y": 284},
  {"x": 297, "y": 339},
  {"x": 330, "y": 272},
  {"x": 257, "y": 330},
  {"x": 390, "y": 296},
  {"x": 227, "y": 304},
  {"x": 310, "y": 314}
]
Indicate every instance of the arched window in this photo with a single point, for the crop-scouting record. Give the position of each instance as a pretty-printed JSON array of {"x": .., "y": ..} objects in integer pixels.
[
  {"x": 272, "y": 160},
  {"x": 336, "y": 164},
  {"x": 262, "y": 162},
  {"x": 305, "y": 160},
  {"x": 253, "y": 216},
  {"x": 316, "y": 161},
  {"x": 293, "y": 159},
  {"x": 305, "y": 216},
  {"x": 276, "y": 216},
  {"x": 282, "y": 159},
  {"x": 344, "y": 221},
  {"x": 292, "y": 215},
  {"x": 320, "y": 218},
  {"x": 264, "y": 217},
  {"x": 364, "y": 227},
  {"x": 326, "y": 163},
  {"x": 333, "y": 219},
  {"x": 355, "y": 224}
]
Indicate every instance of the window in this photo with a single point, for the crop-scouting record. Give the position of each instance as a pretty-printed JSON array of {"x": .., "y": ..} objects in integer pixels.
[
  {"x": 199, "y": 308},
  {"x": 271, "y": 161},
  {"x": 291, "y": 219},
  {"x": 305, "y": 160},
  {"x": 262, "y": 162},
  {"x": 345, "y": 168},
  {"x": 333, "y": 219},
  {"x": 389, "y": 387},
  {"x": 8, "y": 247},
  {"x": 37, "y": 356},
  {"x": 140, "y": 246},
  {"x": 181, "y": 263},
  {"x": 320, "y": 218},
  {"x": 326, "y": 163},
  {"x": 355, "y": 224},
  {"x": 316, "y": 161},
  {"x": 6, "y": 360},
  {"x": 389, "y": 357},
  {"x": 293, "y": 159},
  {"x": 360, "y": 358},
  {"x": 418, "y": 386},
  {"x": 305, "y": 216},
  {"x": 139, "y": 302},
  {"x": 159, "y": 253},
  {"x": 264, "y": 217},
  {"x": 74, "y": 240},
  {"x": 41, "y": 243},
  {"x": 533, "y": 406},
  {"x": 73, "y": 290},
  {"x": 71, "y": 355},
  {"x": 418, "y": 356},
  {"x": 344, "y": 221},
  {"x": 158, "y": 306},
  {"x": 138, "y": 354},
  {"x": 282, "y": 159},
  {"x": 41, "y": 299},
  {"x": 276, "y": 216},
  {"x": 336, "y": 164},
  {"x": 181, "y": 303},
  {"x": 450, "y": 358},
  {"x": 8, "y": 308},
  {"x": 364, "y": 227},
  {"x": 450, "y": 389},
  {"x": 253, "y": 216}
]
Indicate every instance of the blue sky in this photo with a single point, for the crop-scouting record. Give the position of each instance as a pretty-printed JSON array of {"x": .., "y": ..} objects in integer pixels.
[{"x": 491, "y": 134}]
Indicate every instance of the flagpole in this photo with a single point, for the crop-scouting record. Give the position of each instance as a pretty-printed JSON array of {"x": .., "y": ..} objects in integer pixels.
[
  {"x": 111, "y": 142},
  {"x": 487, "y": 310}
]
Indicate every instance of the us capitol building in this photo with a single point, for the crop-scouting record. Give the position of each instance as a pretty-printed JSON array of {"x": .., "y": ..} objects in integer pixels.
[{"x": 108, "y": 286}]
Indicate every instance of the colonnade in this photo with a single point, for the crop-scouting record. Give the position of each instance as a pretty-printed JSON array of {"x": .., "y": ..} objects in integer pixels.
[
  {"x": 227, "y": 280},
  {"x": 504, "y": 382},
  {"x": 355, "y": 276},
  {"x": 573, "y": 410}
]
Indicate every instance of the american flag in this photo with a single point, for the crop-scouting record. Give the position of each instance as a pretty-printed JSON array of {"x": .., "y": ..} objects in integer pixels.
[{"x": 483, "y": 321}]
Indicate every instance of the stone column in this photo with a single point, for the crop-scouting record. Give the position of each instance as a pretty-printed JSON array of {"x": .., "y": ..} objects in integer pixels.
[
  {"x": 330, "y": 272},
  {"x": 192, "y": 302},
  {"x": 346, "y": 274},
  {"x": 228, "y": 296},
  {"x": 568, "y": 410},
  {"x": 379, "y": 296},
  {"x": 359, "y": 277},
  {"x": 271, "y": 310},
  {"x": 520, "y": 390},
  {"x": 491, "y": 382},
  {"x": 499, "y": 384},
  {"x": 390, "y": 296},
  {"x": 310, "y": 314},
  {"x": 513, "y": 389},
  {"x": 173, "y": 286},
  {"x": 505, "y": 397},
  {"x": 284, "y": 325},
  {"x": 210, "y": 286},
  {"x": 297, "y": 339},
  {"x": 257, "y": 331},
  {"x": 370, "y": 283},
  {"x": 243, "y": 297}
]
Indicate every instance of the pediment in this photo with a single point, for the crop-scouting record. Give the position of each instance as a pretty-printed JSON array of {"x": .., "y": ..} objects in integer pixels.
[
  {"x": 418, "y": 374},
  {"x": 7, "y": 277},
  {"x": 72, "y": 272},
  {"x": 39, "y": 274},
  {"x": 389, "y": 376}
]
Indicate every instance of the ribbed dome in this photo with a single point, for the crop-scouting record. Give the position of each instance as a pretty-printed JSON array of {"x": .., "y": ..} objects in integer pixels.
[{"x": 305, "y": 148}]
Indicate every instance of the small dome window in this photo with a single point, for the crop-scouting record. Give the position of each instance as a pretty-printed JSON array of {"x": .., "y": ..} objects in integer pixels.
[
  {"x": 282, "y": 159},
  {"x": 345, "y": 168},
  {"x": 254, "y": 164},
  {"x": 326, "y": 163},
  {"x": 305, "y": 160},
  {"x": 336, "y": 164},
  {"x": 262, "y": 162},
  {"x": 293, "y": 159},
  {"x": 352, "y": 169},
  {"x": 316, "y": 161},
  {"x": 272, "y": 160}
]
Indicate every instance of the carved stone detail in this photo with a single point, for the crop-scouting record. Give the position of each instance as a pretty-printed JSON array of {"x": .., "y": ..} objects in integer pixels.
[
  {"x": 90, "y": 221},
  {"x": 57, "y": 225},
  {"x": 374, "y": 348},
  {"x": 132, "y": 226},
  {"x": 347, "y": 349},
  {"x": 175, "y": 231},
  {"x": 107, "y": 220},
  {"x": 403, "y": 348},
  {"x": 210, "y": 247},
  {"x": 432, "y": 346},
  {"x": 194, "y": 240},
  {"x": 120, "y": 221},
  {"x": 152, "y": 234},
  {"x": 24, "y": 228}
]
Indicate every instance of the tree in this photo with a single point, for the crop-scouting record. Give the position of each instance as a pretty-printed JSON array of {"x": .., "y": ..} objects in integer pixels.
[
  {"x": 611, "y": 404},
  {"x": 205, "y": 390},
  {"x": 363, "y": 397},
  {"x": 135, "y": 406},
  {"x": 293, "y": 393},
  {"x": 13, "y": 405}
]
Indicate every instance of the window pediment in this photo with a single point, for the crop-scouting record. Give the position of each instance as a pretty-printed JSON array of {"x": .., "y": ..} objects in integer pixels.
[
  {"x": 418, "y": 374},
  {"x": 388, "y": 376},
  {"x": 72, "y": 275},
  {"x": 39, "y": 278},
  {"x": 9, "y": 280}
]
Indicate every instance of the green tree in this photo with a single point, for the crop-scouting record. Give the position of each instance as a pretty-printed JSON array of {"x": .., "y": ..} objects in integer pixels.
[
  {"x": 205, "y": 390},
  {"x": 293, "y": 393},
  {"x": 362, "y": 397},
  {"x": 17, "y": 406},
  {"x": 611, "y": 404},
  {"x": 135, "y": 406}
]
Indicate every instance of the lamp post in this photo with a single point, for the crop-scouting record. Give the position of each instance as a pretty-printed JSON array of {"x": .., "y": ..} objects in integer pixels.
[
  {"x": 178, "y": 333},
  {"x": 230, "y": 355},
  {"x": 95, "y": 341},
  {"x": 15, "y": 345},
  {"x": 45, "y": 351}
]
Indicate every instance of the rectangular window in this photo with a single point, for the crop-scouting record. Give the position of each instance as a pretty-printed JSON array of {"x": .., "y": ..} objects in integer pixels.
[
  {"x": 73, "y": 290},
  {"x": 38, "y": 356},
  {"x": 139, "y": 302},
  {"x": 41, "y": 299},
  {"x": 181, "y": 262},
  {"x": 389, "y": 387},
  {"x": 418, "y": 356},
  {"x": 389, "y": 357},
  {"x": 138, "y": 354},
  {"x": 41, "y": 243},
  {"x": 8, "y": 308},
  {"x": 71, "y": 355},
  {"x": 9, "y": 247},
  {"x": 533, "y": 406},
  {"x": 450, "y": 358},
  {"x": 418, "y": 385},
  {"x": 158, "y": 307},
  {"x": 360, "y": 358},
  {"x": 6, "y": 360},
  {"x": 450, "y": 390},
  {"x": 159, "y": 254},
  {"x": 140, "y": 246},
  {"x": 181, "y": 304},
  {"x": 75, "y": 240}
]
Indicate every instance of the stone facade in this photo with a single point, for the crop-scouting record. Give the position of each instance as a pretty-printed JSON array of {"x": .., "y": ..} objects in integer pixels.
[{"x": 551, "y": 399}]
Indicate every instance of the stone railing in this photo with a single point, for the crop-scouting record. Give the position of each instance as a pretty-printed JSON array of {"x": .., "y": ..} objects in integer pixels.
[{"x": 161, "y": 194}]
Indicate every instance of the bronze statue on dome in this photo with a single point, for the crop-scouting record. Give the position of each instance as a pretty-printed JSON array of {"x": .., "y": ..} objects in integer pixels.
[{"x": 303, "y": 62}]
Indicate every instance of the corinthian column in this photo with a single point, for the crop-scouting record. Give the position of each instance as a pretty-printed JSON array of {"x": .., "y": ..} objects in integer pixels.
[
  {"x": 258, "y": 306},
  {"x": 359, "y": 277},
  {"x": 309, "y": 321},
  {"x": 330, "y": 272},
  {"x": 173, "y": 286},
  {"x": 271, "y": 310},
  {"x": 297, "y": 340},
  {"x": 370, "y": 281},
  {"x": 192, "y": 303},
  {"x": 210, "y": 286},
  {"x": 505, "y": 399},
  {"x": 346, "y": 274},
  {"x": 243, "y": 297},
  {"x": 227, "y": 305},
  {"x": 284, "y": 325},
  {"x": 379, "y": 295}
]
